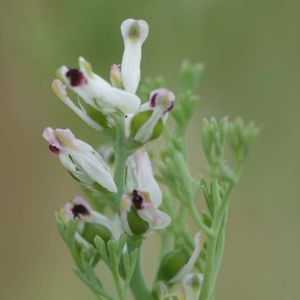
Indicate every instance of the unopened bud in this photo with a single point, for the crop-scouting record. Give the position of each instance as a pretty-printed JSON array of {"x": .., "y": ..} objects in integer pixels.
[{"x": 115, "y": 76}]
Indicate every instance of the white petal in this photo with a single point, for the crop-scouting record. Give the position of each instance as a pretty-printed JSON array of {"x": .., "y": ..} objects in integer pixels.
[
  {"x": 155, "y": 217},
  {"x": 140, "y": 176},
  {"x": 60, "y": 90},
  {"x": 134, "y": 34},
  {"x": 190, "y": 264}
]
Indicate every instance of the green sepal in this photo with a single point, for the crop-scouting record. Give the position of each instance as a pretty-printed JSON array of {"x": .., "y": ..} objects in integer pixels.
[
  {"x": 91, "y": 230},
  {"x": 140, "y": 119},
  {"x": 95, "y": 114},
  {"x": 172, "y": 263},
  {"x": 137, "y": 225}
]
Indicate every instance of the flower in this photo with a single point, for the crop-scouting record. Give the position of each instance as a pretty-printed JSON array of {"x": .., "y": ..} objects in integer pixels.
[
  {"x": 139, "y": 211},
  {"x": 96, "y": 92},
  {"x": 139, "y": 214},
  {"x": 134, "y": 34},
  {"x": 80, "y": 159},
  {"x": 147, "y": 123},
  {"x": 91, "y": 223}
]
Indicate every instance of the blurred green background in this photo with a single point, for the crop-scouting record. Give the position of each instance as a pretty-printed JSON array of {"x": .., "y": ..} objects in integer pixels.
[{"x": 251, "y": 52}]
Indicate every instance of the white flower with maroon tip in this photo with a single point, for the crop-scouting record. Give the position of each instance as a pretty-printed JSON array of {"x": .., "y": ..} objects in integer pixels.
[
  {"x": 160, "y": 103},
  {"x": 97, "y": 92},
  {"x": 79, "y": 209},
  {"x": 145, "y": 197},
  {"x": 80, "y": 159},
  {"x": 139, "y": 215},
  {"x": 187, "y": 268},
  {"x": 134, "y": 34}
]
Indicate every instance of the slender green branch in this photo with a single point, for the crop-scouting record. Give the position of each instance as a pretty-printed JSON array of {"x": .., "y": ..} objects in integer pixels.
[{"x": 138, "y": 284}]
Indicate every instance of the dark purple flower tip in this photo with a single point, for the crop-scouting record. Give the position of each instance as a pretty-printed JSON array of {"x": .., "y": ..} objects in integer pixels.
[
  {"x": 80, "y": 209},
  {"x": 153, "y": 100},
  {"x": 76, "y": 77},
  {"x": 54, "y": 149},
  {"x": 170, "y": 106},
  {"x": 137, "y": 199}
]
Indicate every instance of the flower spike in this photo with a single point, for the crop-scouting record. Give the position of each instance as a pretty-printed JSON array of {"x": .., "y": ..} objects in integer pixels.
[
  {"x": 134, "y": 34},
  {"x": 80, "y": 159}
]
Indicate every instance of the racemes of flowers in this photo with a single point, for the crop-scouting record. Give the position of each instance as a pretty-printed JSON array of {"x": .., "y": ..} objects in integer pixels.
[{"x": 124, "y": 202}]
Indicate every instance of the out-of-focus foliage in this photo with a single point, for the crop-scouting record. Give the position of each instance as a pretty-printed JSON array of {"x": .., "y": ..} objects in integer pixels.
[{"x": 250, "y": 50}]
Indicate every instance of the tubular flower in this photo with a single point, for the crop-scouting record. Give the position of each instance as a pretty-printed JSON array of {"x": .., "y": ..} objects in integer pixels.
[
  {"x": 139, "y": 211},
  {"x": 140, "y": 216},
  {"x": 96, "y": 92},
  {"x": 91, "y": 223},
  {"x": 80, "y": 159},
  {"x": 134, "y": 34},
  {"x": 147, "y": 123}
]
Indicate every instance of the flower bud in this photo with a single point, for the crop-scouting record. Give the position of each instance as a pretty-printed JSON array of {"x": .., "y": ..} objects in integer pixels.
[
  {"x": 115, "y": 76},
  {"x": 148, "y": 123},
  {"x": 80, "y": 159},
  {"x": 176, "y": 264},
  {"x": 134, "y": 34}
]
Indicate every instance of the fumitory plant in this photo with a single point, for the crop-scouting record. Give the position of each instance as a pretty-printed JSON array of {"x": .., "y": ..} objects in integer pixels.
[{"x": 124, "y": 202}]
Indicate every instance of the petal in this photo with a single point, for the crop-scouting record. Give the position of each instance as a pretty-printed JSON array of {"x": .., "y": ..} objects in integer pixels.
[
  {"x": 50, "y": 137},
  {"x": 134, "y": 34},
  {"x": 60, "y": 90},
  {"x": 190, "y": 264},
  {"x": 155, "y": 217},
  {"x": 140, "y": 176}
]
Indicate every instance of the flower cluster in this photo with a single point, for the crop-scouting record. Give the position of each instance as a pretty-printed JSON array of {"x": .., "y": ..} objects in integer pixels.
[
  {"x": 135, "y": 198},
  {"x": 125, "y": 203}
]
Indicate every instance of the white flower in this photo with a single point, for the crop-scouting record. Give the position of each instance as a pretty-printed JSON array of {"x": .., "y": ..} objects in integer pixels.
[
  {"x": 187, "y": 268},
  {"x": 79, "y": 158},
  {"x": 139, "y": 215},
  {"x": 192, "y": 285},
  {"x": 139, "y": 211},
  {"x": 97, "y": 92},
  {"x": 79, "y": 209},
  {"x": 134, "y": 34},
  {"x": 148, "y": 122}
]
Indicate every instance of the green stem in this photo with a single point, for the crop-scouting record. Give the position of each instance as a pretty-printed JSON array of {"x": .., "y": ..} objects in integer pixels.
[
  {"x": 138, "y": 284},
  {"x": 121, "y": 155}
]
